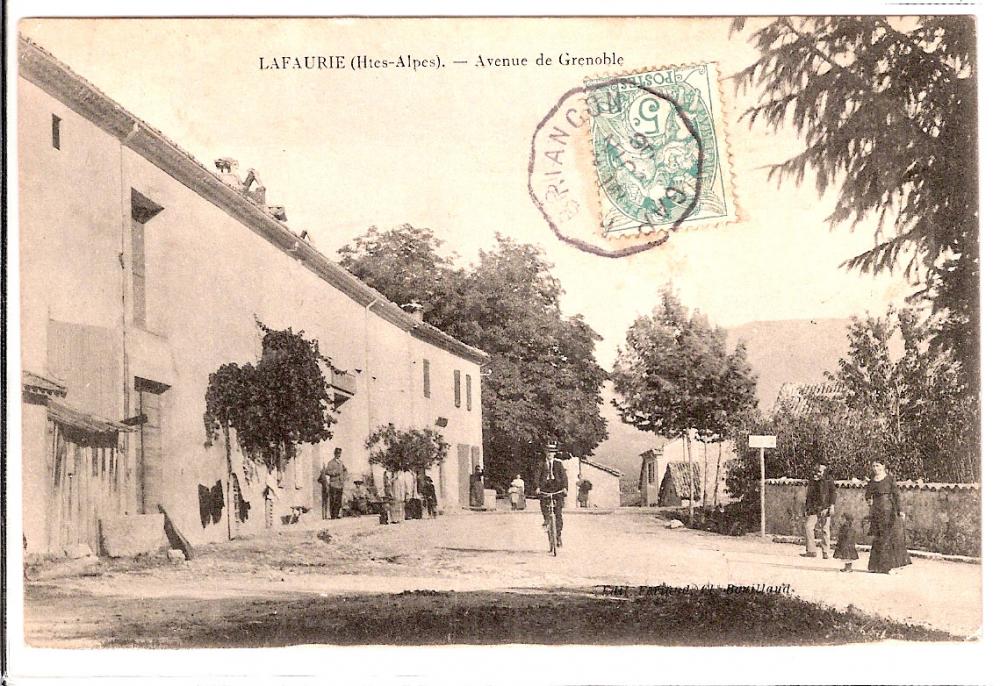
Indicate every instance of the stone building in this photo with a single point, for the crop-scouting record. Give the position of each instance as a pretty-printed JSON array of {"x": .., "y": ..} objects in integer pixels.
[
  {"x": 142, "y": 271},
  {"x": 664, "y": 474},
  {"x": 605, "y": 483}
]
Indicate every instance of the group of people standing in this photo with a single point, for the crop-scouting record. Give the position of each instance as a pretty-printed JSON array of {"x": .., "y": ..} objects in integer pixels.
[
  {"x": 886, "y": 521},
  {"x": 406, "y": 494}
]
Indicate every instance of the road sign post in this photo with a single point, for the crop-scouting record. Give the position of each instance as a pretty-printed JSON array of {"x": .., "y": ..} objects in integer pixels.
[{"x": 763, "y": 442}]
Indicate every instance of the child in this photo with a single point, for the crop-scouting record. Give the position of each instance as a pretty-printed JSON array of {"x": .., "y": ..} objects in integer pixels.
[
  {"x": 429, "y": 493},
  {"x": 846, "y": 549}
]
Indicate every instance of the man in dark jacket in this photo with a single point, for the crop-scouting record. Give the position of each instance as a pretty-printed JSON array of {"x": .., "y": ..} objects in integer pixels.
[
  {"x": 550, "y": 477},
  {"x": 332, "y": 478},
  {"x": 821, "y": 497}
]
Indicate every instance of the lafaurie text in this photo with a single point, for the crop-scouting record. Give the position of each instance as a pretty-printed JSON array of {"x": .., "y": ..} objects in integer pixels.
[{"x": 356, "y": 62}]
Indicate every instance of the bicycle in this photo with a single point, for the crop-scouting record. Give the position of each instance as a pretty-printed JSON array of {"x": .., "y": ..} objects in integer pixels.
[{"x": 550, "y": 519}]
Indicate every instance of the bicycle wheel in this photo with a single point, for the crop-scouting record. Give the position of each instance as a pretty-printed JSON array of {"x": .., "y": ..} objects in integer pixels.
[{"x": 551, "y": 528}]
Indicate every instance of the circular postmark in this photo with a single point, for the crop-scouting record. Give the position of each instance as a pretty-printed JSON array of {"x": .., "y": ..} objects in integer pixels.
[{"x": 620, "y": 163}]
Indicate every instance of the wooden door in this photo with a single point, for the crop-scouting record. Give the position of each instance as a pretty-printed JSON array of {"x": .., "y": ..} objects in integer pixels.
[
  {"x": 149, "y": 457},
  {"x": 464, "y": 472},
  {"x": 86, "y": 484}
]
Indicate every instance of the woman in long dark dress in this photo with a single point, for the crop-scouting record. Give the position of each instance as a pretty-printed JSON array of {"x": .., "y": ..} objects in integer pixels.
[
  {"x": 477, "y": 497},
  {"x": 886, "y": 523}
]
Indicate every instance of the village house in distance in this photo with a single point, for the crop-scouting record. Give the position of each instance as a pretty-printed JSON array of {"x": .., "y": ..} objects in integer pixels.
[{"x": 142, "y": 272}]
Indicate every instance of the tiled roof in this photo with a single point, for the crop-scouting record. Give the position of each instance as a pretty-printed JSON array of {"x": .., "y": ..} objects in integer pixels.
[
  {"x": 40, "y": 67},
  {"x": 32, "y": 382},
  {"x": 65, "y": 414},
  {"x": 902, "y": 485},
  {"x": 602, "y": 467},
  {"x": 799, "y": 396}
]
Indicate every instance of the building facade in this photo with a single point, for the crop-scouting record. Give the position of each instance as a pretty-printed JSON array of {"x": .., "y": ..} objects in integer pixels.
[
  {"x": 142, "y": 272},
  {"x": 664, "y": 473},
  {"x": 605, "y": 483}
]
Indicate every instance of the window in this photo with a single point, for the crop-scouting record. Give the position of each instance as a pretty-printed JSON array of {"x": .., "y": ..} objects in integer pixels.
[
  {"x": 56, "y": 121},
  {"x": 651, "y": 472},
  {"x": 138, "y": 273},
  {"x": 427, "y": 378},
  {"x": 143, "y": 209},
  {"x": 468, "y": 392},
  {"x": 458, "y": 388}
]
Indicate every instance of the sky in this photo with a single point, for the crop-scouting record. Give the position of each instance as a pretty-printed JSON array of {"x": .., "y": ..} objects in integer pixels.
[{"x": 343, "y": 150}]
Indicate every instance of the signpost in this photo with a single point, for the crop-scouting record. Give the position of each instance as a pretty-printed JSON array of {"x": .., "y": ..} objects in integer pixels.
[{"x": 762, "y": 442}]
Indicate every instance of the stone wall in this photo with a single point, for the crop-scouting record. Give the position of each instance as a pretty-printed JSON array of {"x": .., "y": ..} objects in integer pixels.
[{"x": 943, "y": 518}]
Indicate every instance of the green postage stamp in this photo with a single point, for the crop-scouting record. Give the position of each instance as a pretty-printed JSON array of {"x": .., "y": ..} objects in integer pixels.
[{"x": 659, "y": 150}]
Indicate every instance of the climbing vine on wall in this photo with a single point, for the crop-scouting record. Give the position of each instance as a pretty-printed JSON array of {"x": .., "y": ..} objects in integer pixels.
[{"x": 281, "y": 401}]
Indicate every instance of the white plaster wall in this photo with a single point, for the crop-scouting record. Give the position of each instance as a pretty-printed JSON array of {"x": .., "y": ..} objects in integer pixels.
[
  {"x": 207, "y": 275},
  {"x": 464, "y": 425},
  {"x": 70, "y": 222}
]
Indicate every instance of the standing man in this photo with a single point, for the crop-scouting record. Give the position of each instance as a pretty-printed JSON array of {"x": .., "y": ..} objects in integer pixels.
[
  {"x": 332, "y": 477},
  {"x": 821, "y": 497},
  {"x": 551, "y": 478}
]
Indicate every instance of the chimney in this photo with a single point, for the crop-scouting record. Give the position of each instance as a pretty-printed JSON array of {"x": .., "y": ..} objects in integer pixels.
[{"x": 415, "y": 310}]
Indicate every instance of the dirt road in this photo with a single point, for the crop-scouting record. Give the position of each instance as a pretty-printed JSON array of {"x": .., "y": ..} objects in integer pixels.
[{"x": 478, "y": 553}]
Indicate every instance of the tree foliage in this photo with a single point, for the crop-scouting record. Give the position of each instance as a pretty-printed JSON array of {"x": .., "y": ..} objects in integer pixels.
[
  {"x": 894, "y": 398},
  {"x": 542, "y": 381},
  {"x": 414, "y": 449},
  {"x": 916, "y": 400},
  {"x": 276, "y": 404},
  {"x": 675, "y": 376},
  {"x": 886, "y": 108},
  {"x": 405, "y": 264}
]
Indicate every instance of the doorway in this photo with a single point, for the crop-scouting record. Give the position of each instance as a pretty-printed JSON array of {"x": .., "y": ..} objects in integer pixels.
[{"x": 149, "y": 454}]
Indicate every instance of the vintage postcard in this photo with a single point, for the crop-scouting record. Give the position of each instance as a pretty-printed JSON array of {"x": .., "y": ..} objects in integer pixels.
[{"x": 648, "y": 331}]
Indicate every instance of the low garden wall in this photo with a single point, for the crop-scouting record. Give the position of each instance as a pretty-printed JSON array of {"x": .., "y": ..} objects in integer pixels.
[{"x": 942, "y": 518}]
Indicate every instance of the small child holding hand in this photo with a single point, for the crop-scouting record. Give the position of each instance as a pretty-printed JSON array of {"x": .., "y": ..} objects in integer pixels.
[{"x": 846, "y": 549}]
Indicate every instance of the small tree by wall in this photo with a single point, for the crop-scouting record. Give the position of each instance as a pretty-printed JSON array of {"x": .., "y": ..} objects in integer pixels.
[
  {"x": 414, "y": 449},
  {"x": 674, "y": 378}
]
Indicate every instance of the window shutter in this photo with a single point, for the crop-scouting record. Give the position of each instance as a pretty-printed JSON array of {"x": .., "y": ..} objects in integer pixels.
[
  {"x": 427, "y": 378},
  {"x": 458, "y": 388}
]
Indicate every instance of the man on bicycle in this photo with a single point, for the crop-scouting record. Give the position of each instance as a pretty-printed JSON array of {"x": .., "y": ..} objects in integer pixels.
[{"x": 550, "y": 477}]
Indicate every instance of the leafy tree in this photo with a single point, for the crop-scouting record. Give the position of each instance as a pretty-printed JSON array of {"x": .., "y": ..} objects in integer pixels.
[
  {"x": 542, "y": 381},
  {"x": 414, "y": 449},
  {"x": 674, "y": 377},
  {"x": 887, "y": 111},
  {"x": 906, "y": 409},
  {"x": 405, "y": 265},
  {"x": 274, "y": 405},
  {"x": 917, "y": 399},
  {"x": 281, "y": 401}
]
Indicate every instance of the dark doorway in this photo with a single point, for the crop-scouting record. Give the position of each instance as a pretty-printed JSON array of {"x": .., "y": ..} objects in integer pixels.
[{"x": 149, "y": 456}]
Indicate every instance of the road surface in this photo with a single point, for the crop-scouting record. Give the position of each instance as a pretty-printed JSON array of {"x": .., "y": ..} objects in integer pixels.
[{"x": 475, "y": 552}]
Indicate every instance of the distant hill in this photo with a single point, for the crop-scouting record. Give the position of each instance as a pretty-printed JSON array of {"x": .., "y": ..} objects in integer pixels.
[
  {"x": 625, "y": 443},
  {"x": 792, "y": 351}
]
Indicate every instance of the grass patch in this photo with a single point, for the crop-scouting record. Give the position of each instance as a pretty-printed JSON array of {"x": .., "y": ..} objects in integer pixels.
[{"x": 690, "y": 618}]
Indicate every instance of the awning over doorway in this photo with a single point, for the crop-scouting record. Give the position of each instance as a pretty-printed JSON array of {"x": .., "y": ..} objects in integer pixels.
[{"x": 70, "y": 416}]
